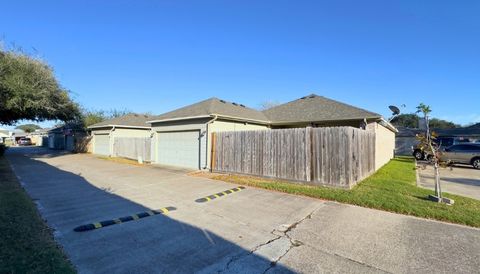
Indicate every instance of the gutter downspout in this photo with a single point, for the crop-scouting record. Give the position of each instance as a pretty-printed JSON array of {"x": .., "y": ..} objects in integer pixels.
[
  {"x": 215, "y": 117},
  {"x": 109, "y": 136}
]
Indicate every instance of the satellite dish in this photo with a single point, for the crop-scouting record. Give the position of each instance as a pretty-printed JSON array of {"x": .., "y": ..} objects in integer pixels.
[{"x": 395, "y": 110}]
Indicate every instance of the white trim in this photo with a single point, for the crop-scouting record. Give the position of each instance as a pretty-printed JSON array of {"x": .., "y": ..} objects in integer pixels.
[
  {"x": 119, "y": 126},
  {"x": 389, "y": 125}
]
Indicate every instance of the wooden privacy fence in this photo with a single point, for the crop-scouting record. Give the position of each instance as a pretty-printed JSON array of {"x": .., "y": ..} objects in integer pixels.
[
  {"x": 336, "y": 156},
  {"x": 132, "y": 148}
]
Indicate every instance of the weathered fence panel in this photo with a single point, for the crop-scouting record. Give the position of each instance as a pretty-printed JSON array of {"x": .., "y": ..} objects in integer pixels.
[
  {"x": 132, "y": 148},
  {"x": 337, "y": 156}
]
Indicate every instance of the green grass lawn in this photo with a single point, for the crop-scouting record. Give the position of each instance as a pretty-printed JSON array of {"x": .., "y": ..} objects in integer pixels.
[
  {"x": 392, "y": 188},
  {"x": 27, "y": 245}
]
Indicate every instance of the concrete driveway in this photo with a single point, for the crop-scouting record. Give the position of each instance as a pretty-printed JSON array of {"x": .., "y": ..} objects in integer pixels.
[
  {"x": 460, "y": 179},
  {"x": 249, "y": 231}
]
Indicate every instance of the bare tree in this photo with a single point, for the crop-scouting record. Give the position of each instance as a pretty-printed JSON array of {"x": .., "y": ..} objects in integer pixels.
[
  {"x": 427, "y": 143},
  {"x": 268, "y": 104}
]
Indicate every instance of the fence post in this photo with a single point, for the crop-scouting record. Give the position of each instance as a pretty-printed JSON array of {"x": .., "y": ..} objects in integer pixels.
[
  {"x": 308, "y": 153},
  {"x": 212, "y": 154}
]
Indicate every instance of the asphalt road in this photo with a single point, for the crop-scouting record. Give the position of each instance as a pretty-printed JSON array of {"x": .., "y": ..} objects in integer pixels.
[{"x": 249, "y": 231}]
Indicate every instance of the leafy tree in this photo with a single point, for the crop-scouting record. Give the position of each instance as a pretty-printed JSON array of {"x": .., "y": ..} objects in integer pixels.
[
  {"x": 91, "y": 117},
  {"x": 30, "y": 91},
  {"x": 442, "y": 124},
  {"x": 406, "y": 120},
  {"x": 28, "y": 127},
  {"x": 411, "y": 121}
]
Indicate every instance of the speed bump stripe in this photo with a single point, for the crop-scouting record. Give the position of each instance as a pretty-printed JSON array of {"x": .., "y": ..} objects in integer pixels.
[
  {"x": 220, "y": 194},
  {"x": 120, "y": 220}
]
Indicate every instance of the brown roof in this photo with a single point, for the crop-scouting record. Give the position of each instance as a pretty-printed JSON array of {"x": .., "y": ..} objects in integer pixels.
[
  {"x": 314, "y": 108},
  {"x": 311, "y": 108},
  {"x": 129, "y": 120},
  {"x": 214, "y": 106}
]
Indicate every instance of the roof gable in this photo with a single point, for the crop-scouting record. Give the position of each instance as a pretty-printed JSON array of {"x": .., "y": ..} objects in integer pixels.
[
  {"x": 129, "y": 120},
  {"x": 214, "y": 106},
  {"x": 314, "y": 108}
]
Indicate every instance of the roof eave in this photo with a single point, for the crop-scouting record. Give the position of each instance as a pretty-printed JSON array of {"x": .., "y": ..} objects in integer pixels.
[
  {"x": 120, "y": 126},
  {"x": 178, "y": 119},
  {"x": 277, "y": 123},
  {"x": 389, "y": 125},
  {"x": 233, "y": 118}
]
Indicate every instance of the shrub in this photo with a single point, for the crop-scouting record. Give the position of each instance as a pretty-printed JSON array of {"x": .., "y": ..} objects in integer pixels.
[{"x": 3, "y": 148}]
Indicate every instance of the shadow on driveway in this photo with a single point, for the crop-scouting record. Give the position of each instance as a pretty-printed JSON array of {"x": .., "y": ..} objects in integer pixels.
[{"x": 158, "y": 244}]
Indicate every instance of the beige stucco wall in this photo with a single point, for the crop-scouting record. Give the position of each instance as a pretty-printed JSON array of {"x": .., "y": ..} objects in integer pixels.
[
  {"x": 384, "y": 144},
  {"x": 129, "y": 132},
  {"x": 219, "y": 126},
  {"x": 222, "y": 125},
  {"x": 119, "y": 132}
]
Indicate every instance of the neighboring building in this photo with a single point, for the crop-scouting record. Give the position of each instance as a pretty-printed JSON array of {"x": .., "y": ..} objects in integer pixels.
[
  {"x": 64, "y": 137},
  {"x": 39, "y": 137},
  {"x": 182, "y": 136},
  {"x": 17, "y": 134},
  {"x": 318, "y": 111},
  {"x": 128, "y": 126},
  {"x": 4, "y": 134},
  {"x": 406, "y": 137}
]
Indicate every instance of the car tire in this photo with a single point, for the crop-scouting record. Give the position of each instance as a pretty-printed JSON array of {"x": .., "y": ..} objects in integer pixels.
[
  {"x": 476, "y": 163},
  {"x": 418, "y": 155}
]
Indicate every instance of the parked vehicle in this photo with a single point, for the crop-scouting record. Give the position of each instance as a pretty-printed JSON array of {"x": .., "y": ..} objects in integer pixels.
[
  {"x": 441, "y": 142},
  {"x": 25, "y": 142},
  {"x": 468, "y": 154}
]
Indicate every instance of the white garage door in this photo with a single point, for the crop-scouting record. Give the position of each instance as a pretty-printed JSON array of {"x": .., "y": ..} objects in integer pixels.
[
  {"x": 102, "y": 144},
  {"x": 179, "y": 148}
]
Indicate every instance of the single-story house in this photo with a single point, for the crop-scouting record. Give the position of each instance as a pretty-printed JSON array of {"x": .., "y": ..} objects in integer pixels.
[
  {"x": 406, "y": 137},
  {"x": 104, "y": 133},
  {"x": 3, "y": 135},
  {"x": 182, "y": 137},
  {"x": 64, "y": 136},
  {"x": 18, "y": 134},
  {"x": 39, "y": 137}
]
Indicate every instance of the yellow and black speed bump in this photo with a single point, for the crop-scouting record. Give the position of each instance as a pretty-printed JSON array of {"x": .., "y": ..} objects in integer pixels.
[
  {"x": 138, "y": 216},
  {"x": 220, "y": 194}
]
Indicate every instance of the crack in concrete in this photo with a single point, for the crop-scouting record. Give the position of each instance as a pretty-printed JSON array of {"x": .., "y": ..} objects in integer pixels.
[
  {"x": 293, "y": 243},
  {"x": 283, "y": 234}
]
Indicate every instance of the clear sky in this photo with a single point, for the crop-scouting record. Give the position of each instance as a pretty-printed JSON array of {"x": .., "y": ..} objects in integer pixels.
[{"x": 159, "y": 55}]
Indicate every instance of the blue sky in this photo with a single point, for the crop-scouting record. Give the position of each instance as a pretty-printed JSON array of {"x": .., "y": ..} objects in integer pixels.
[{"x": 159, "y": 55}]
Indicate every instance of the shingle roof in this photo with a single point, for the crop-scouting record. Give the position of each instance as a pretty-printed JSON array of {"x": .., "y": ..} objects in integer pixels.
[
  {"x": 129, "y": 120},
  {"x": 214, "y": 106},
  {"x": 313, "y": 108},
  {"x": 477, "y": 125}
]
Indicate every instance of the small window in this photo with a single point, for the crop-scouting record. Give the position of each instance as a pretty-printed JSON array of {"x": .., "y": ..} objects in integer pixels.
[{"x": 465, "y": 148}]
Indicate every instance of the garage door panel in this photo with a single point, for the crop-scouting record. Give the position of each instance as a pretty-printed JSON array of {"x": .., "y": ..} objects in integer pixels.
[
  {"x": 180, "y": 148},
  {"x": 102, "y": 144}
]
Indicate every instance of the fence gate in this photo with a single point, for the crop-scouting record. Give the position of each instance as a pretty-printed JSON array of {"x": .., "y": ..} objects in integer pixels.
[{"x": 132, "y": 148}]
